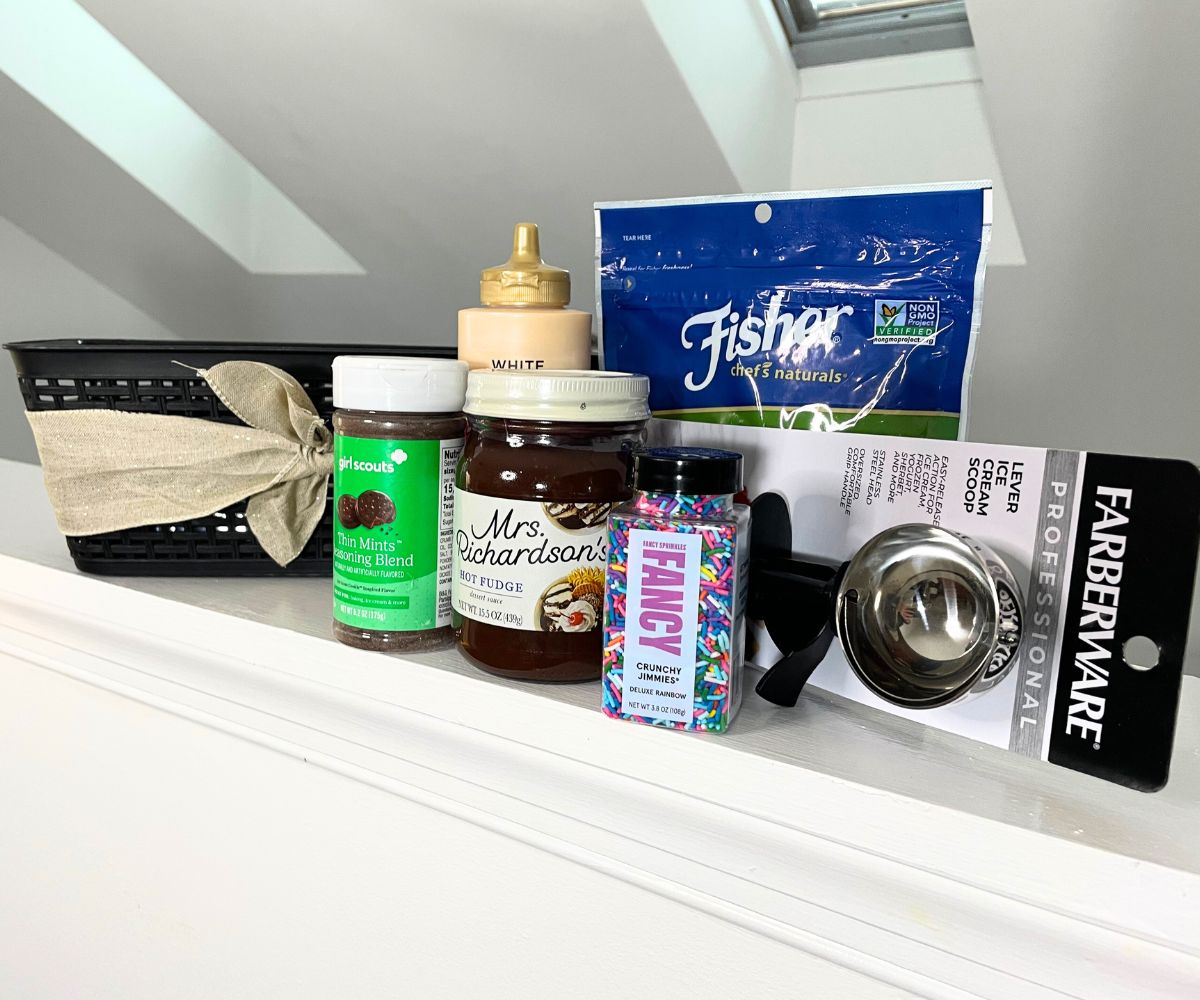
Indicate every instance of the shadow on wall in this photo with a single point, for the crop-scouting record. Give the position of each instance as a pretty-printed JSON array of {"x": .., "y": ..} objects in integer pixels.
[
  {"x": 16, "y": 441},
  {"x": 34, "y": 276}
]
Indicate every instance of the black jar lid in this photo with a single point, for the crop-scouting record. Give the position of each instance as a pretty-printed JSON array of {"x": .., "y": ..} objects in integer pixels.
[{"x": 686, "y": 470}]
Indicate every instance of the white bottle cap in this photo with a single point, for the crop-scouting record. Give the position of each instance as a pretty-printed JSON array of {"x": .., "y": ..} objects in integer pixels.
[
  {"x": 399, "y": 385},
  {"x": 566, "y": 395}
]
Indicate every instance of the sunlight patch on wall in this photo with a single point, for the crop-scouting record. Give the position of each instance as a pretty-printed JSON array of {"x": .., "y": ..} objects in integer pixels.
[{"x": 67, "y": 61}]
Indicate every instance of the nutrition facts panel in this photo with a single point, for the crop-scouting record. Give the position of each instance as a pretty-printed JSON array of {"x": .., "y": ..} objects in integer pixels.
[{"x": 451, "y": 451}]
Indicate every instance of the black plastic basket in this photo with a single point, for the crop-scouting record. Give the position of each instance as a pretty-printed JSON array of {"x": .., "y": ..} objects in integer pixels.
[{"x": 140, "y": 377}]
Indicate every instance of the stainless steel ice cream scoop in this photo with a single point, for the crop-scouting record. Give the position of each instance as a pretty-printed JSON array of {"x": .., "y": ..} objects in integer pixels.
[{"x": 926, "y": 616}]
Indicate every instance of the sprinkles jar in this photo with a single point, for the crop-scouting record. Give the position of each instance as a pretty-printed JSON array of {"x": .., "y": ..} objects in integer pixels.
[{"x": 675, "y": 592}]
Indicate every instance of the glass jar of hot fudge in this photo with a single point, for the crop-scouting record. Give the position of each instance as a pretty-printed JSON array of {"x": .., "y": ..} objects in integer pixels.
[{"x": 546, "y": 458}]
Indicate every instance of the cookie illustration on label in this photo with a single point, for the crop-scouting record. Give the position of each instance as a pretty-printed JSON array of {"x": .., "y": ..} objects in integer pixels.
[
  {"x": 347, "y": 511},
  {"x": 375, "y": 508},
  {"x": 554, "y": 603},
  {"x": 573, "y": 516}
]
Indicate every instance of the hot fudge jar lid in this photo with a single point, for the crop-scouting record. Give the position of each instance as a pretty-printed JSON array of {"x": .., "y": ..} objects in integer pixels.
[
  {"x": 398, "y": 385},
  {"x": 567, "y": 396}
]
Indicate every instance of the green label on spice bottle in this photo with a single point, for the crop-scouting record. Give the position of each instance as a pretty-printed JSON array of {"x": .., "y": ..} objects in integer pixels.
[{"x": 393, "y": 521}]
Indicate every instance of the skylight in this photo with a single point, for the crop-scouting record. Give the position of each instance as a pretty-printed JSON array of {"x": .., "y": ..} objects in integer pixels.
[{"x": 833, "y": 31}]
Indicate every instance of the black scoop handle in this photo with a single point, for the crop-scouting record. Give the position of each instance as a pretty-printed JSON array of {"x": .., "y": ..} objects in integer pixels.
[
  {"x": 782, "y": 683},
  {"x": 794, "y": 598}
]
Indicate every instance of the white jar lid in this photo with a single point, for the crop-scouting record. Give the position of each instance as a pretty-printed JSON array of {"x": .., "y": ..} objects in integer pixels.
[
  {"x": 399, "y": 385},
  {"x": 565, "y": 395}
]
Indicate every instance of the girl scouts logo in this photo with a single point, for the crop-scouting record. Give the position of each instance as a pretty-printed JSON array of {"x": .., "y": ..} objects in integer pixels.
[{"x": 906, "y": 321}]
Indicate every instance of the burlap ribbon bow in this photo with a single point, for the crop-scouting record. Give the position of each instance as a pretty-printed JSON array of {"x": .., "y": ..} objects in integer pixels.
[{"x": 106, "y": 470}]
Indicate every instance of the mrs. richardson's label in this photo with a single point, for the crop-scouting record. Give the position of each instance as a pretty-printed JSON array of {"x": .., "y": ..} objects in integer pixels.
[{"x": 528, "y": 564}]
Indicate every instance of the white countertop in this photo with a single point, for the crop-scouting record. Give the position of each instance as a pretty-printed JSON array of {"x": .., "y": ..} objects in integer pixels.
[
  {"x": 788, "y": 797},
  {"x": 822, "y": 733}
]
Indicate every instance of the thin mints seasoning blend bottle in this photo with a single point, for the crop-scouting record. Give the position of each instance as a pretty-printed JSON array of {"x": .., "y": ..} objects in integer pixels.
[{"x": 398, "y": 434}]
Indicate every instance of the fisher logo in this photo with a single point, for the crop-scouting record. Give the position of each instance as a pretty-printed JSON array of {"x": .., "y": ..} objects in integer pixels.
[
  {"x": 906, "y": 321},
  {"x": 728, "y": 334}
]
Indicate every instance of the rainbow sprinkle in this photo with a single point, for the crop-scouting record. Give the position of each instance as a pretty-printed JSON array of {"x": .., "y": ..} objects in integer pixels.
[{"x": 720, "y": 627}]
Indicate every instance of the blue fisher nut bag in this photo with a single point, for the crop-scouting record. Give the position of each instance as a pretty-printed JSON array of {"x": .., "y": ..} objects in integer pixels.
[{"x": 850, "y": 310}]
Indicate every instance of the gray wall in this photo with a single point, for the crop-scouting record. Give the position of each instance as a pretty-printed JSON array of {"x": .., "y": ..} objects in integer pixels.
[
  {"x": 415, "y": 134},
  {"x": 1095, "y": 111}
]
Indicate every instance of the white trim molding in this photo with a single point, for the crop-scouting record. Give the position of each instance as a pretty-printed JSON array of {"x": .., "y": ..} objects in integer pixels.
[
  {"x": 926, "y": 898},
  {"x": 864, "y": 76}
]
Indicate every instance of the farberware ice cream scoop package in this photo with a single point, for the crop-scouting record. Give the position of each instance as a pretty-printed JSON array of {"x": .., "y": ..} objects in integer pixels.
[
  {"x": 851, "y": 310},
  {"x": 1032, "y": 599}
]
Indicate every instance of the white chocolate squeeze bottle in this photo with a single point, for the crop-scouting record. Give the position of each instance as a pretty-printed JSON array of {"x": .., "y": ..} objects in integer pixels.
[{"x": 523, "y": 323}]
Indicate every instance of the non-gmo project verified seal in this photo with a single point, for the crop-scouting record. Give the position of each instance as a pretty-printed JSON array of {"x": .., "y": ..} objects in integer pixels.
[{"x": 905, "y": 321}]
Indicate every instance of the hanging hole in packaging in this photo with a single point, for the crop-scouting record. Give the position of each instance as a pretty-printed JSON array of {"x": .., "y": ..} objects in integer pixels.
[
  {"x": 762, "y": 213},
  {"x": 1141, "y": 652}
]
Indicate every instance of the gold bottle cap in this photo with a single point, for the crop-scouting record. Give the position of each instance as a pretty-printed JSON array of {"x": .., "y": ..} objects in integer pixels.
[{"x": 525, "y": 279}]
